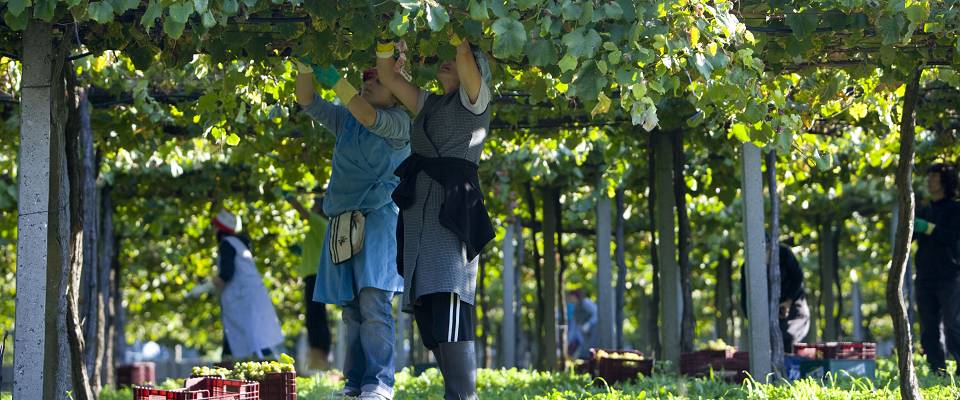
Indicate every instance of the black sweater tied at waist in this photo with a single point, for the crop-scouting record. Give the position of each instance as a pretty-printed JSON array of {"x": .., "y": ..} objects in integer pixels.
[{"x": 462, "y": 212}]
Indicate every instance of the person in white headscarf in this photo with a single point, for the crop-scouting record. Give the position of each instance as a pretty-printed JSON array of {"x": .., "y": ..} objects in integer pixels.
[{"x": 251, "y": 328}]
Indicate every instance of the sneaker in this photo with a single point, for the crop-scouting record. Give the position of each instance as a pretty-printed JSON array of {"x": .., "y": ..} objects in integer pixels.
[
  {"x": 348, "y": 393},
  {"x": 371, "y": 396}
]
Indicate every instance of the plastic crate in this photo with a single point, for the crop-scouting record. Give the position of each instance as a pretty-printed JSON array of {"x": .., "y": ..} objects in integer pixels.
[
  {"x": 791, "y": 364},
  {"x": 836, "y": 368},
  {"x": 699, "y": 363},
  {"x": 206, "y": 388},
  {"x": 803, "y": 350},
  {"x": 279, "y": 386},
  {"x": 848, "y": 351},
  {"x": 614, "y": 369},
  {"x": 140, "y": 373}
]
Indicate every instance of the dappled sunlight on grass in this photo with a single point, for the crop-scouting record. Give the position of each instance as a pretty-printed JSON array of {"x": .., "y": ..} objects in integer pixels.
[{"x": 533, "y": 385}]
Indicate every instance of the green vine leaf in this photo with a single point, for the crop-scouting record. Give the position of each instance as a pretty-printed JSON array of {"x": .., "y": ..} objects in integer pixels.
[
  {"x": 101, "y": 11},
  {"x": 509, "y": 39},
  {"x": 181, "y": 12},
  {"x": 541, "y": 53},
  {"x": 437, "y": 17},
  {"x": 200, "y": 5},
  {"x": 17, "y": 7},
  {"x": 16, "y": 22},
  {"x": 478, "y": 10},
  {"x": 121, "y": 6},
  {"x": 803, "y": 24},
  {"x": 151, "y": 14},
  {"x": 582, "y": 43},
  {"x": 173, "y": 28}
]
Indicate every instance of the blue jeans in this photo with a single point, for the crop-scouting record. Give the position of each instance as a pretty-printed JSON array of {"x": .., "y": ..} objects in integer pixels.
[{"x": 369, "y": 365}]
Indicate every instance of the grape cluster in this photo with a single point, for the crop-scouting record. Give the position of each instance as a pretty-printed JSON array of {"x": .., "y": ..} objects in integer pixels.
[
  {"x": 619, "y": 355},
  {"x": 210, "y": 371},
  {"x": 249, "y": 370},
  {"x": 255, "y": 371},
  {"x": 717, "y": 344}
]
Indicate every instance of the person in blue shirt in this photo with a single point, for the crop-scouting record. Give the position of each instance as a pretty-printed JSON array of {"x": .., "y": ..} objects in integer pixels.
[{"x": 372, "y": 139}]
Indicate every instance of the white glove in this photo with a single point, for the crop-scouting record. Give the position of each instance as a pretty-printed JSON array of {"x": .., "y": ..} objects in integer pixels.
[{"x": 205, "y": 287}]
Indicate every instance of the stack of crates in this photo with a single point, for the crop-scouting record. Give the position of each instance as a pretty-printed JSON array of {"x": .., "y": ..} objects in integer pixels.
[
  {"x": 138, "y": 373},
  {"x": 834, "y": 359},
  {"x": 205, "y": 388},
  {"x": 730, "y": 365}
]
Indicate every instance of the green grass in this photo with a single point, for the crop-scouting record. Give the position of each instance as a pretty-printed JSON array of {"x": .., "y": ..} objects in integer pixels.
[{"x": 532, "y": 385}]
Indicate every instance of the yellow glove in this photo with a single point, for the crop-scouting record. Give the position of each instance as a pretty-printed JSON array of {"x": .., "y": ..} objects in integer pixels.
[
  {"x": 303, "y": 68},
  {"x": 385, "y": 50},
  {"x": 345, "y": 91},
  {"x": 455, "y": 39}
]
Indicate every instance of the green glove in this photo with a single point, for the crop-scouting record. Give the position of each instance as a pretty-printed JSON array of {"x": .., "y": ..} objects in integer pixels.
[
  {"x": 921, "y": 225},
  {"x": 327, "y": 76}
]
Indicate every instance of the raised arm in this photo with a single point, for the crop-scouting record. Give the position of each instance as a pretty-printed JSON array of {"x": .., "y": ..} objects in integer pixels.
[
  {"x": 407, "y": 93},
  {"x": 361, "y": 109},
  {"x": 470, "y": 76},
  {"x": 329, "y": 115}
]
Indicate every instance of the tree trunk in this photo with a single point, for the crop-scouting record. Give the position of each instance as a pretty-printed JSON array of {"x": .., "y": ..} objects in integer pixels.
[
  {"x": 518, "y": 313},
  {"x": 82, "y": 389},
  {"x": 621, "y": 269},
  {"x": 835, "y": 259},
  {"x": 653, "y": 323},
  {"x": 827, "y": 276},
  {"x": 548, "y": 341},
  {"x": 90, "y": 206},
  {"x": 508, "y": 332},
  {"x": 106, "y": 270},
  {"x": 773, "y": 267},
  {"x": 909, "y": 389},
  {"x": 119, "y": 312},
  {"x": 540, "y": 312},
  {"x": 561, "y": 306},
  {"x": 856, "y": 312},
  {"x": 671, "y": 299},
  {"x": 688, "y": 323},
  {"x": 722, "y": 300},
  {"x": 813, "y": 303}
]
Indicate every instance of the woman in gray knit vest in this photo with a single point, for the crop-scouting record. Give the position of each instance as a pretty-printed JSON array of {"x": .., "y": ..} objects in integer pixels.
[{"x": 443, "y": 224}]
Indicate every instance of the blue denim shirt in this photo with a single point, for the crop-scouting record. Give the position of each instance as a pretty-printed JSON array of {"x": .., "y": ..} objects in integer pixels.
[
  {"x": 362, "y": 179},
  {"x": 363, "y": 159}
]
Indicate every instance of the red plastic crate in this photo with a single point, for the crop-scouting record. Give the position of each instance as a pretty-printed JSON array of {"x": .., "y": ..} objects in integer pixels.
[
  {"x": 700, "y": 362},
  {"x": 617, "y": 370},
  {"x": 849, "y": 351},
  {"x": 206, "y": 388},
  {"x": 279, "y": 386},
  {"x": 140, "y": 373},
  {"x": 805, "y": 350}
]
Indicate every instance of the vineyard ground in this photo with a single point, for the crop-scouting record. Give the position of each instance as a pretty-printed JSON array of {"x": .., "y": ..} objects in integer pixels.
[{"x": 526, "y": 384}]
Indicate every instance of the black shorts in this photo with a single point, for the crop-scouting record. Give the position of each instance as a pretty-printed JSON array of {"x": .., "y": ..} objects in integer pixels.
[
  {"x": 444, "y": 318},
  {"x": 318, "y": 330}
]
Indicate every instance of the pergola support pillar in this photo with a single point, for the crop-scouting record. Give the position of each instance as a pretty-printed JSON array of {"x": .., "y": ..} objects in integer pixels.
[{"x": 756, "y": 264}]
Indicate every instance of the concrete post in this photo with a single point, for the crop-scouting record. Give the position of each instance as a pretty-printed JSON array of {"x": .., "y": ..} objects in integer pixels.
[
  {"x": 606, "y": 308},
  {"x": 36, "y": 349},
  {"x": 756, "y": 265}
]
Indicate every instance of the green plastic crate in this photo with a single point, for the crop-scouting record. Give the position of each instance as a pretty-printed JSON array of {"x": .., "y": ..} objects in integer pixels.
[{"x": 820, "y": 368}]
